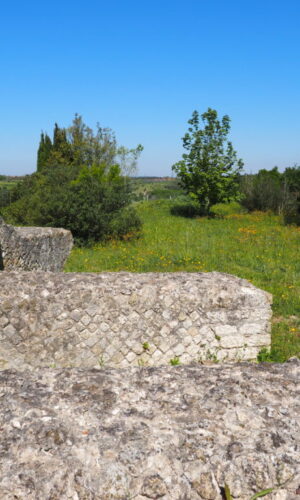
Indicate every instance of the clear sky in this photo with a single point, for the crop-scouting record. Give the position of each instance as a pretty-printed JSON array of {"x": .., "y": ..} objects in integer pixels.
[{"x": 142, "y": 67}]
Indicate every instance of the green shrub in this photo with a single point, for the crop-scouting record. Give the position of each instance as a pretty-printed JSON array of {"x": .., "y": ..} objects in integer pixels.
[
  {"x": 78, "y": 185},
  {"x": 92, "y": 202},
  {"x": 263, "y": 191},
  {"x": 5, "y": 196},
  {"x": 291, "y": 211},
  {"x": 125, "y": 224},
  {"x": 224, "y": 209}
]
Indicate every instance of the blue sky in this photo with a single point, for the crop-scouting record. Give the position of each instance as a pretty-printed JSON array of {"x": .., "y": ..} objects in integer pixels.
[{"x": 142, "y": 67}]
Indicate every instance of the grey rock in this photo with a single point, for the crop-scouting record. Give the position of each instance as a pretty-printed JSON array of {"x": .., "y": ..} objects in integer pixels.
[
  {"x": 123, "y": 319},
  {"x": 170, "y": 433},
  {"x": 30, "y": 248}
]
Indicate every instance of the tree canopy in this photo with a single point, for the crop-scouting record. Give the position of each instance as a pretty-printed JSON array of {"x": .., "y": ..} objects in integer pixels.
[
  {"x": 210, "y": 168},
  {"x": 79, "y": 145}
]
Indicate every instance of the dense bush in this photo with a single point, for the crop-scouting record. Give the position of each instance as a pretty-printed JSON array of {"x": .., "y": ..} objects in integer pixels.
[
  {"x": 292, "y": 178},
  {"x": 192, "y": 209},
  {"x": 90, "y": 199},
  {"x": 94, "y": 205},
  {"x": 274, "y": 191},
  {"x": 4, "y": 196},
  {"x": 263, "y": 191},
  {"x": 291, "y": 212},
  {"x": 187, "y": 210},
  {"x": 268, "y": 190},
  {"x": 125, "y": 225}
]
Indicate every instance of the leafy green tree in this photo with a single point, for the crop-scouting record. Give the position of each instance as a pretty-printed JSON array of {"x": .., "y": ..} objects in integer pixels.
[
  {"x": 79, "y": 145},
  {"x": 89, "y": 147},
  {"x": 127, "y": 159},
  {"x": 209, "y": 170}
]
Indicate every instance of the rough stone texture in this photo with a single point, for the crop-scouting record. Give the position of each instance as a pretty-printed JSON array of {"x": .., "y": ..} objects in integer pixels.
[
  {"x": 171, "y": 433},
  {"x": 30, "y": 248},
  {"x": 122, "y": 319}
]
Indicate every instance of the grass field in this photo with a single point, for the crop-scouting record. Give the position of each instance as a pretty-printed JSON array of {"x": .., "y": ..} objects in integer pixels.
[
  {"x": 256, "y": 247},
  {"x": 150, "y": 189},
  {"x": 7, "y": 184}
]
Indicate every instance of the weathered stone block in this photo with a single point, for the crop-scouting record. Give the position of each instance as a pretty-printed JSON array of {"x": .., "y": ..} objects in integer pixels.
[
  {"x": 33, "y": 248},
  {"x": 169, "y": 433},
  {"x": 76, "y": 315}
]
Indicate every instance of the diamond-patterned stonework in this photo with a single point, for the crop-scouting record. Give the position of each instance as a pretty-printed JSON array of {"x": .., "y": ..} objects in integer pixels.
[
  {"x": 34, "y": 248},
  {"x": 123, "y": 319}
]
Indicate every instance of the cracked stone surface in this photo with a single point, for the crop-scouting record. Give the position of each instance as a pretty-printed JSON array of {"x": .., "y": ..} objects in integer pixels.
[
  {"x": 32, "y": 248},
  {"x": 171, "y": 433},
  {"x": 122, "y": 319}
]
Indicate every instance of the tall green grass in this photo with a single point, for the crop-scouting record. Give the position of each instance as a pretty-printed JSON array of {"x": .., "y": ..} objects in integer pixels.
[
  {"x": 252, "y": 246},
  {"x": 7, "y": 184}
]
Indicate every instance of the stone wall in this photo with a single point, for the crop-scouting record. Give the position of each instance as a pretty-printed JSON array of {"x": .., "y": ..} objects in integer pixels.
[
  {"x": 30, "y": 248},
  {"x": 170, "y": 433},
  {"x": 122, "y": 319}
]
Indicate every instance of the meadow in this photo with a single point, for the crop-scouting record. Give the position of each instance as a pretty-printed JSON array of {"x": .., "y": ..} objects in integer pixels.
[
  {"x": 253, "y": 246},
  {"x": 7, "y": 184},
  {"x": 154, "y": 188}
]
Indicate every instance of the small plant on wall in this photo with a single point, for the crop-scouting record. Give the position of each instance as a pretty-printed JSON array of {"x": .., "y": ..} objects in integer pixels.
[{"x": 175, "y": 361}]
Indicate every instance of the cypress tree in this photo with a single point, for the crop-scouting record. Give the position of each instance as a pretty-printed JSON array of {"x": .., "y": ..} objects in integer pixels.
[
  {"x": 40, "y": 152},
  {"x": 48, "y": 148},
  {"x": 44, "y": 151},
  {"x": 59, "y": 138}
]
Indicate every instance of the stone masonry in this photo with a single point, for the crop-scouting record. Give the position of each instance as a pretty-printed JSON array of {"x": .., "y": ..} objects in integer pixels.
[
  {"x": 31, "y": 248},
  {"x": 169, "y": 433},
  {"x": 121, "y": 319}
]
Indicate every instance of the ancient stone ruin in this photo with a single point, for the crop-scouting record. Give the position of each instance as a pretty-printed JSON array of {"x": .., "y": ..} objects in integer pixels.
[
  {"x": 170, "y": 433},
  {"x": 29, "y": 248},
  {"x": 76, "y": 426},
  {"x": 121, "y": 319}
]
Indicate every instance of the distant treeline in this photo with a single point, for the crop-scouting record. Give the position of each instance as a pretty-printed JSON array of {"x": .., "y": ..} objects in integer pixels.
[{"x": 274, "y": 191}]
